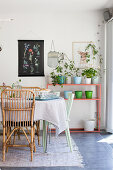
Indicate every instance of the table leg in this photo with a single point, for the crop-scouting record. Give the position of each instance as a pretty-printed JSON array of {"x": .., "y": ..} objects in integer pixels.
[{"x": 45, "y": 136}]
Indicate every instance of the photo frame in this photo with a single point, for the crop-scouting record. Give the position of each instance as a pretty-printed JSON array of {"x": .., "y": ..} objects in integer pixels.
[
  {"x": 79, "y": 55},
  {"x": 30, "y": 57}
]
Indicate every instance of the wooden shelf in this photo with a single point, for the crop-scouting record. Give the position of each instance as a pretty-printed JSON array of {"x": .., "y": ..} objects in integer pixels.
[
  {"x": 77, "y": 130},
  {"x": 86, "y": 99},
  {"x": 75, "y": 84}
]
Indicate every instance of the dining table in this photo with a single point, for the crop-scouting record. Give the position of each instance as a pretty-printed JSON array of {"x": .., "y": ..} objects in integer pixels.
[{"x": 52, "y": 111}]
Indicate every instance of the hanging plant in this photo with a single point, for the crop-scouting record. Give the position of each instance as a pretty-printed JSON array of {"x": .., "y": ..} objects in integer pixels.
[{"x": 94, "y": 52}]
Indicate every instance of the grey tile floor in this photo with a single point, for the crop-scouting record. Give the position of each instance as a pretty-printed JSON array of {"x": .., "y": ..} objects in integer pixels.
[{"x": 96, "y": 149}]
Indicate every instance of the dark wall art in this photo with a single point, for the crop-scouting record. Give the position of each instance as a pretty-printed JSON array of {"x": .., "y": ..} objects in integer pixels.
[{"x": 30, "y": 57}]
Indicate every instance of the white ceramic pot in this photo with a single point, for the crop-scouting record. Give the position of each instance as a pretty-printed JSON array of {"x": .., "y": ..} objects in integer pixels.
[
  {"x": 49, "y": 80},
  {"x": 88, "y": 80},
  {"x": 89, "y": 125},
  {"x": 95, "y": 80},
  {"x": 68, "y": 80}
]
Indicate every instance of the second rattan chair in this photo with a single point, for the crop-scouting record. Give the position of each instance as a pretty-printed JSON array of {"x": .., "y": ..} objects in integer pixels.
[{"x": 18, "y": 113}]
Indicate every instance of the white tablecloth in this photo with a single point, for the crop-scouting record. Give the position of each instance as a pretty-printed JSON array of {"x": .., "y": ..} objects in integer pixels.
[{"x": 53, "y": 111}]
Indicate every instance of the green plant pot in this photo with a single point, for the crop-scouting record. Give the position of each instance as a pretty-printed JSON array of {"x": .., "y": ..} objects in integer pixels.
[
  {"x": 88, "y": 94},
  {"x": 78, "y": 94}
]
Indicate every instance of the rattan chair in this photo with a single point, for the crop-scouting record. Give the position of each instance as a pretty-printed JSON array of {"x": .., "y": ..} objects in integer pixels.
[
  {"x": 1, "y": 89},
  {"x": 18, "y": 113},
  {"x": 36, "y": 91}
]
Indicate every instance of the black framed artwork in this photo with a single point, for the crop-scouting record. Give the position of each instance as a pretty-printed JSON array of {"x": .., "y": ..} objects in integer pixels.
[{"x": 30, "y": 57}]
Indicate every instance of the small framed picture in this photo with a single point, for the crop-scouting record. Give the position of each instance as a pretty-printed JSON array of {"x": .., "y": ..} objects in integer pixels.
[{"x": 30, "y": 57}]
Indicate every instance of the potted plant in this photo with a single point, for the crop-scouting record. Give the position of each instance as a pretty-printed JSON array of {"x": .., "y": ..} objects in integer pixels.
[
  {"x": 88, "y": 74},
  {"x": 57, "y": 74},
  {"x": 77, "y": 78},
  {"x": 69, "y": 67}
]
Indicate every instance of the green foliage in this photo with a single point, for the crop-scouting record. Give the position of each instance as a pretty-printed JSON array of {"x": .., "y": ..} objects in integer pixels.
[
  {"x": 89, "y": 73},
  {"x": 77, "y": 72},
  {"x": 68, "y": 68},
  {"x": 94, "y": 52},
  {"x": 64, "y": 68}
]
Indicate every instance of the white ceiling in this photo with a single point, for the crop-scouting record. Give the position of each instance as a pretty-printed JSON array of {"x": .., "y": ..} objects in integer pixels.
[{"x": 54, "y": 5}]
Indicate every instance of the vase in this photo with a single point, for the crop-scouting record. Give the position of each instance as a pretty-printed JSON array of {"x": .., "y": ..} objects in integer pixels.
[
  {"x": 68, "y": 80},
  {"x": 61, "y": 79},
  {"x": 66, "y": 94},
  {"x": 95, "y": 80},
  {"x": 77, "y": 80},
  {"x": 88, "y": 80},
  {"x": 89, "y": 125}
]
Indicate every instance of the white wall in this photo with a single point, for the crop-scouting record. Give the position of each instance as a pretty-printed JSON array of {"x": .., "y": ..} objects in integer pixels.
[{"x": 63, "y": 28}]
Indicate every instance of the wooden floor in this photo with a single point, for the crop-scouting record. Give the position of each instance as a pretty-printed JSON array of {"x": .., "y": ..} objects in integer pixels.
[{"x": 96, "y": 149}]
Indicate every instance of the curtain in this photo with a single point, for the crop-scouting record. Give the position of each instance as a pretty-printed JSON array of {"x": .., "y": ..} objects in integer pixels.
[{"x": 109, "y": 76}]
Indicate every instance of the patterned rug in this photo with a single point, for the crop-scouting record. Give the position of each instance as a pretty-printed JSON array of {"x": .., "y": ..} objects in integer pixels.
[{"x": 58, "y": 154}]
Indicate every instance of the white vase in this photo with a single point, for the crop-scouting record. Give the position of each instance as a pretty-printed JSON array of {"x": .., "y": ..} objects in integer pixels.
[
  {"x": 95, "y": 80},
  {"x": 88, "y": 80},
  {"x": 49, "y": 80},
  {"x": 89, "y": 125},
  {"x": 68, "y": 80}
]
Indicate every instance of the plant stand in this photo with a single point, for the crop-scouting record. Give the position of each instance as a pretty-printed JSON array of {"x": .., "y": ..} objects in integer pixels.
[{"x": 98, "y": 106}]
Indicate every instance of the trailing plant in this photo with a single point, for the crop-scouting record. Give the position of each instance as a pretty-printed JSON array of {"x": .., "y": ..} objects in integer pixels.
[
  {"x": 69, "y": 68},
  {"x": 77, "y": 72},
  {"x": 94, "y": 52},
  {"x": 55, "y": 78},
  {"x": 89, "y": 73}
]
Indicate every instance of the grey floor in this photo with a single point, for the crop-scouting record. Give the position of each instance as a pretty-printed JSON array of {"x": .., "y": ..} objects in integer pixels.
[{"x": 96, "y": 149}]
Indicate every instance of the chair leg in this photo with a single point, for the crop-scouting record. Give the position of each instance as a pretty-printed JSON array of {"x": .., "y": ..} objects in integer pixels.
[
  {"x": 10, "y": 137},
  {"x": 4, "y": 143},
  {"x": 14, "y": 137},
  {"x": 49, "y": 131},
  {"x": 44, "y": 136},
  {"x": 69, "y": 139},
  {"x": 34, "y": 139},
  {"x": 31, "y": 147},
  {"x": 18, "y": 133},
  {"x": 8, "y": 132}
]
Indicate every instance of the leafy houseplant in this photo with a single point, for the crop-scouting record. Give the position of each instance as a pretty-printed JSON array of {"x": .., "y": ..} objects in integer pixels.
[
  {"x": 57, "y": 74},
  {"x": 64, "y": 70},
  {"x": 77, "y": 77},
  {"x": 68, "y": 72},
  {"x": 88, "y": 74}
]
